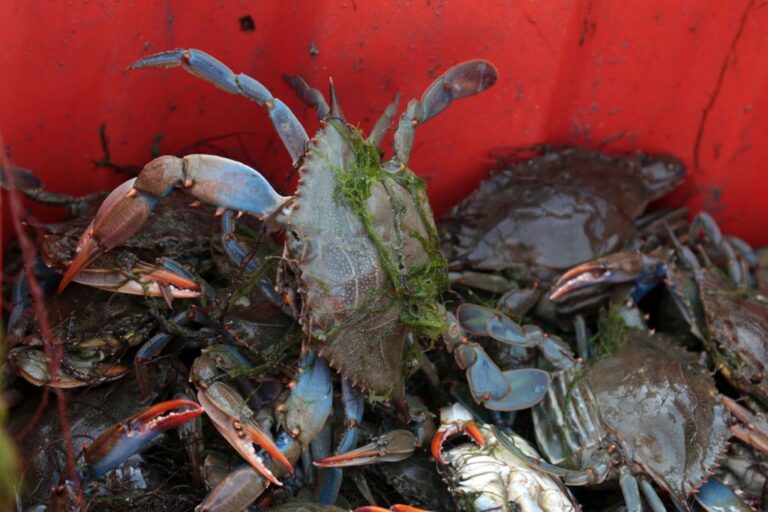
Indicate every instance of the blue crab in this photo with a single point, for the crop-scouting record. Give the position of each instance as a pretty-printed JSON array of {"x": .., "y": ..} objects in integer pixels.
[
  {"x": 648, "y": 413},
  {"x": 586, "y": 203},
  {"x": 487, "y": 476},
  {"x": 361, "y": 269}
]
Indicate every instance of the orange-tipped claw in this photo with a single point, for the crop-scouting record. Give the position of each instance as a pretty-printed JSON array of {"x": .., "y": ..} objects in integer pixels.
[
  {"x": 269, "y": 446},
  {"x": 129, "y": 436},
  {"x": 90, "y": 251},
  {"x": 621, "y": 267},
  {"x": 474, "y": 433},
  {"x": 143, "y": 279},
  {"x": 580, "y": 276},
  {"x": 163, "y": 415},
  {"x": 455, "y": 420},
  {"x": 119, "y": 217},
  {"x": 242, "y": 436},
  {"x": 391, "y": 447}
]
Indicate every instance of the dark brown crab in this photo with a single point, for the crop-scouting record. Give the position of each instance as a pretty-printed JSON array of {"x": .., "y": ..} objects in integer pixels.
[
  {"x": 95, "y": 328},
  {"x": 737, "y": 330},
  {"x": 542, "y": 216},
  {"x": 648, "y": 411}
]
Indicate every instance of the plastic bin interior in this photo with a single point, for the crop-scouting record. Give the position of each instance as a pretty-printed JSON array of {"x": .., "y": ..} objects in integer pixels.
[{"x": 688, "y": 78}]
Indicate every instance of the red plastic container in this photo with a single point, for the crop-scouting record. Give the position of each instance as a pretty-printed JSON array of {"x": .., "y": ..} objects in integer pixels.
[{"x": 688, "y": 78}]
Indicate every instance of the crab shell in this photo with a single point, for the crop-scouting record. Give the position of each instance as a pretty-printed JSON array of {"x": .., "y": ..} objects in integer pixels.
[
  {"x": 362, "y": 257},
  {"x": 664, "y": 409},
  {"x": 585, "y": 201},
  {"x": 739, "y": 326}
]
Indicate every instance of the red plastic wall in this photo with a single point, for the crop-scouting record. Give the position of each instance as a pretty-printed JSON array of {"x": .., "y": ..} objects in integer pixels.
[{"x": 688, "y": 78}]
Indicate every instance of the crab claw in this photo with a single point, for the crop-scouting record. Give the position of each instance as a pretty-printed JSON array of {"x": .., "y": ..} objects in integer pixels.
[
  {"x": 391, "y": 447},
  {"x": 455, "y": 420},
  {"x": 715, "y": 495},
  {"x": 618, "y": 268},
  {"x": 214, "y": 180},
  {"x": 130, "y": 436},
  {"x": 119, "y": 217},
  {"x": 143, "y": 279},
  {"x": 217, "y": 400}
]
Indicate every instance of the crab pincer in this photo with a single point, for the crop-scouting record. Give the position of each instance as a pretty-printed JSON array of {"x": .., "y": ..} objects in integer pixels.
[
  {"x": 454, "y": 420},
  {"x": 622, "y": 267},
  {"x": 223, "y": 405},
  {"x": 142, "y": 279},
  {"x": 224, "y": 183},
  {"x": 133, "y": 434},
  {"x": 393, "y": 446}
]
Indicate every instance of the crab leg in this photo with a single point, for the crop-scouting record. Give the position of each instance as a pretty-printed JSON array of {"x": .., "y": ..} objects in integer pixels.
[
  {"x": 461, "y": 81},
  {"x": 384, "y": 122},
  {"x": 130, "y": 436},
  {"x": 26, "y": 182},
  {"x": 212, "y": 70},
  {"x": 630, "y": 490},
  {"x": 590, "y": 476},
  {"x": 752, "y": 429},
  {"x": 211, "y": 179},
  {"x": 738, "y": 270},
  {"x": 651, "y": 496},
  {"x": 330, "y": 478},
  {"x": 238, "y": 253}
]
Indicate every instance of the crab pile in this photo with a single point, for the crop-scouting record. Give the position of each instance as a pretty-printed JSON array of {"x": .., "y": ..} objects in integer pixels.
[{"x": 207, "y": 363}]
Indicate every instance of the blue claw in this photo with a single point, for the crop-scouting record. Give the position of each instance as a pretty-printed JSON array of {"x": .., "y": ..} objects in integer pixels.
[
  {"x": 132, "y": 435},
  {"x": 214, "y": 180},
  {"x": 309, "y": 404},
  {"x": 216, "y": 72},
  {"x": 716, "y": 496},
  {"x": 528, "y": 387},
  {"x": 500, "y": 391},
  {"x": 330, "y": 478},
  {"x": 482, "y": 321}
]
